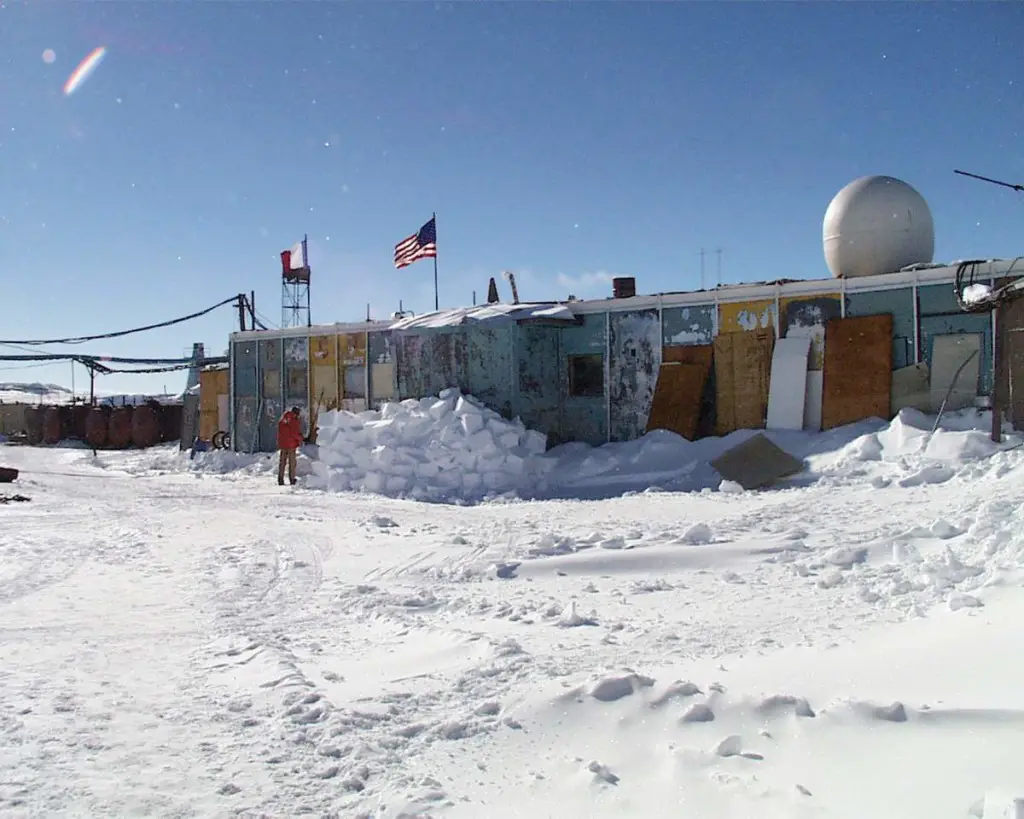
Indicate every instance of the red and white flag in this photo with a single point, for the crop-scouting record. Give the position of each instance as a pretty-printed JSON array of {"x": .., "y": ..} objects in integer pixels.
[{"x": 295, "y": 258}]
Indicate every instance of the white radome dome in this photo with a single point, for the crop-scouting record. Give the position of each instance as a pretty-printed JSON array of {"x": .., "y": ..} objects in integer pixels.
[{"x": 877, "y": 224}]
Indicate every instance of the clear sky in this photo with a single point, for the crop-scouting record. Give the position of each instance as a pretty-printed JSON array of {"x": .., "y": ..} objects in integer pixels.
[{"x": 564, "y": 141}]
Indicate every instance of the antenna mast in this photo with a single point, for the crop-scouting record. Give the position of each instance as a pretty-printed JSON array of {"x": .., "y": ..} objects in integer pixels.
[{"x": 1010, "y": 185}]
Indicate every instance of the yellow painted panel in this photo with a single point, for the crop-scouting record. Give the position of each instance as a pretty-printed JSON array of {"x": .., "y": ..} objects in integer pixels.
[
  {"x": 820, "y": 308},
  {"x": 382, "y": 381},
  {"x": 745, "y": 316},
  {"x": 324, "y": 386},
  {"x": 352, "y": 349},
  {"x": 322, "y": 350}
]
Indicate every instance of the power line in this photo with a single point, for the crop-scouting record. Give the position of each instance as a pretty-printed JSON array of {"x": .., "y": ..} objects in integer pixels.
[
  {"x": 110, "y": 359},
  {"x": 119, "y": 333}
]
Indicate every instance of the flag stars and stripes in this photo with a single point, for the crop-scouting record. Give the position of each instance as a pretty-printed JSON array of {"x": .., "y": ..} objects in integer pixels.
[{"x": 421, "y": 245}]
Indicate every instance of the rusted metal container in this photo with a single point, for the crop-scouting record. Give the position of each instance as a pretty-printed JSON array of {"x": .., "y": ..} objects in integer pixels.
[
  {"x": 79, "y": 418},
  {"x": 119, "y": 429},
  {"x": 52, "y": 426},
  {"x": 623, "y": 287},
  {"x": 96, "y": 426},
  {"x": 146, "y": 426},
  {"x": 170, "y": 426},
  {"x": 34, "y": 425}
]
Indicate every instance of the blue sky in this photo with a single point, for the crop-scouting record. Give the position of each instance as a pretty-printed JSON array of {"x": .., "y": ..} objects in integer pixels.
[{"x": 564, "y": 141}]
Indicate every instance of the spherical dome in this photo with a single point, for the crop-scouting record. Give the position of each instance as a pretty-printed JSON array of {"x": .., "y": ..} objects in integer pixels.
[{"x": 877, "y": 224}]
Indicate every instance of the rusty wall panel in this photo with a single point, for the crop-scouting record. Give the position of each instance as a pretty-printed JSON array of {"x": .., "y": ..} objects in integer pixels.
[
  {"x": 689, "y": 325},
  {"x": 538, "y": 395},
  {"x": 244, "y": 438},
  {"x": 271, "y": 411},
  {"x": 381, "y": 347},
  {"x": 634, "y": 351},
  {"x": 271, "y": 355},
  {"x": 245, "y": 368},
  {"x": 743, "y": 363},
  {"x": 429, "y": 362},
  {"x": 489, "y": 366},
  {"x": 582, "y": 419},
  {"x": 858, "y": 370},
  {"x": 807, "y": 316},
  {"x": 744, "y": 316}
]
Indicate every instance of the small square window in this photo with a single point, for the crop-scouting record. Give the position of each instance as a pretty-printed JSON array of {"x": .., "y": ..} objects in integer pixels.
[{"x": 586, "y": 376}]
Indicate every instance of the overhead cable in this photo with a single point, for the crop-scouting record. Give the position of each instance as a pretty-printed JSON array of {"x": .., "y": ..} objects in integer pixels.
[{"x": 119, "y": 333}]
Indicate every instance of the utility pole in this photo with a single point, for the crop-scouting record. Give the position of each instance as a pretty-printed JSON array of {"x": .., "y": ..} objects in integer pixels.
[
  {"x": 718, "y": 251},
  {"x": 702, "y": 268}
]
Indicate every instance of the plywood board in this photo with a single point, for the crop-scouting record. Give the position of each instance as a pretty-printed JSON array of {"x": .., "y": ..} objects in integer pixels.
[
  {"x": 755, "y": 463},
  {"x": 858, "y": 370},
  {"x": 677, "y": 398},
  {"x": 788, "y": 385},
  {"x": 742, "y": 375},
  {"x": 812, "y": 401},
  {"x": 703, "y": 354},
  {"x": 949, "y": 352},
  {"x": 910, "y": 388}
]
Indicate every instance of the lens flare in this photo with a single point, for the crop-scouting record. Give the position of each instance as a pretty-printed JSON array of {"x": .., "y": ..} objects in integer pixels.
[{"x": 84, "y": 70}]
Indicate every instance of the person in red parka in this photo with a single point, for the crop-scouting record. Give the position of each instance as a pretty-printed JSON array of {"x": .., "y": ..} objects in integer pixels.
[{"x": 289, "y": 439}]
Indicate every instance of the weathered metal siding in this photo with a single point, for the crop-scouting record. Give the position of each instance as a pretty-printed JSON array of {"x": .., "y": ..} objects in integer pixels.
[
  {"x": 246, "y": 393},
  {"x": 381, "y": 358},
  {"x": 940, "y": 315},
  {"x": 429, "y": 362},
  {"x": 271, "y": 356},
  {"x": 898, "y": 303},
  {"x": 689, "y": 325},
  {"x": 806, "y": 316},
  {"x": 490, "y": 366},
  {"x": 539, "y": 395},
  {"x": 740, "y": 316},
  {"x": 634, "y": 358},
  {"x": 323, "y": 372},
  {"x": 583, "y": 418},
  {"x": 351, "y": 371},
  {"x": 296, "y": 377}
]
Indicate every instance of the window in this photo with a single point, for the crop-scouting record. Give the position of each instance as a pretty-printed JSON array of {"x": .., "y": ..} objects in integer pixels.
[{"x": 586, "y": 376}]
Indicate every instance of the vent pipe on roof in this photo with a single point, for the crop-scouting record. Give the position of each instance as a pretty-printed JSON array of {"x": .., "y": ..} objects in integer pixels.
[{"x": 511, "y": 278}]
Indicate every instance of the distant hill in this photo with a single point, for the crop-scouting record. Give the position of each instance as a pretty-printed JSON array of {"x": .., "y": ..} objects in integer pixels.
[
  {"x": 19, "y": 393},
  {"x": 35, "y": 393}
]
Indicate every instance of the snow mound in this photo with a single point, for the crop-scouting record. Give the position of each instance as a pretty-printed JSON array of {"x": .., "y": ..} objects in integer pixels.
[{"x": 448, "y": 448}]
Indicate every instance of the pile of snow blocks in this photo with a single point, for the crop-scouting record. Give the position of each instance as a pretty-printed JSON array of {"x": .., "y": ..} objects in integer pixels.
[{"x": 445, "y": 448}]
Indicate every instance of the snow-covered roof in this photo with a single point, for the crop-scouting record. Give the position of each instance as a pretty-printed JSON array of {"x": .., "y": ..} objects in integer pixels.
[{"x": 486, "y": 314}]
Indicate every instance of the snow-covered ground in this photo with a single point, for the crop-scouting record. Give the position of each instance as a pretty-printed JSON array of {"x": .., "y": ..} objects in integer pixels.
[{"x": 186, "y": 638}]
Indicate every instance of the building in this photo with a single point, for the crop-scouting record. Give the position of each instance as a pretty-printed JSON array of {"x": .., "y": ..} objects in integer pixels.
[{"x": 589, "y": 370}]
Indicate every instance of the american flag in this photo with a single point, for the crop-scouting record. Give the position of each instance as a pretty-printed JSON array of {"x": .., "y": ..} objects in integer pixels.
[{"x": 421, "y": 245}]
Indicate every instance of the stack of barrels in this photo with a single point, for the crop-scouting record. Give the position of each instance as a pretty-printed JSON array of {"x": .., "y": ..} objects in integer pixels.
[{"x": 105, "y": 427}]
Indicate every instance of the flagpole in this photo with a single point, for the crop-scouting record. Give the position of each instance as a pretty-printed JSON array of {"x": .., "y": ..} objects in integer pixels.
[
  {"x": 305, "y": 263},
  {"x": 437, "y": 306}
]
